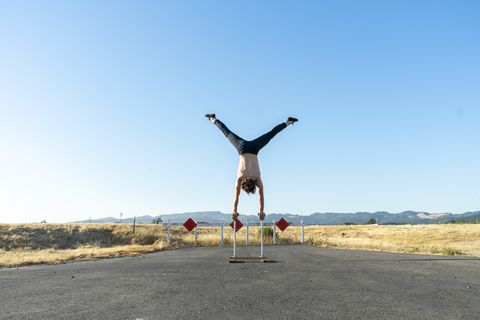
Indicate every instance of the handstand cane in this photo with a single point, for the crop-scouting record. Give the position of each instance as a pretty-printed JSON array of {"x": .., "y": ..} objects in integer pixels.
[
  {"x": 234, "y": 258},
  {"x": 235, "y": 238},
  {"x": 261, "y": 237}
]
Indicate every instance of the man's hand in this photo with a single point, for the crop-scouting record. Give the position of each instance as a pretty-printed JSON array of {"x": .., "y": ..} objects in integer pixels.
[
  {"x": 235, "y": 216},
  {"x": 261, "y": 215}
]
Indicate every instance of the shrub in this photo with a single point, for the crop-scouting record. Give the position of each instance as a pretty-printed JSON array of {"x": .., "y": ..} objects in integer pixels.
[
  {"x": 267, "y": 233},
  {"x": 451, "y": 252}
]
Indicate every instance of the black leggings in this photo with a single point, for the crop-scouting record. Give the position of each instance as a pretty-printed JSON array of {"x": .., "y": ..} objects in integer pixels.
[{"x": 253, "y": 146}]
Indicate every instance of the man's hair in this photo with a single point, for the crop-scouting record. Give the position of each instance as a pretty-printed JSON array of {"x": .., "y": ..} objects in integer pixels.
[{"x": 248, "y": 185}]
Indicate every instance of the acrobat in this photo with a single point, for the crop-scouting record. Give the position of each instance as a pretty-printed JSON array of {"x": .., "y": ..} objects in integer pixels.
[{"x": 248, "y": 175}]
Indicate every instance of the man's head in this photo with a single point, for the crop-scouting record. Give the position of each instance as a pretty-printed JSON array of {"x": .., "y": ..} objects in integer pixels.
[{"x": 248, "y": 185}]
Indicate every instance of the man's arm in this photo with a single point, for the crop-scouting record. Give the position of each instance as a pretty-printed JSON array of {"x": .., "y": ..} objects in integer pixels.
[
  {"x": 259, "y": 184},
  {"x": 238, "y": 188}
]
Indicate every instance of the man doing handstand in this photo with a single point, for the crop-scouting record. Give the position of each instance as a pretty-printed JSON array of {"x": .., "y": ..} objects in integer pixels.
[{"x": 248, "y": 175}]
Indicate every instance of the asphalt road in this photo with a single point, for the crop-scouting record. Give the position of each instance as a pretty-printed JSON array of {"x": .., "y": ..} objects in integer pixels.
[{"x": 300, "y": 282}]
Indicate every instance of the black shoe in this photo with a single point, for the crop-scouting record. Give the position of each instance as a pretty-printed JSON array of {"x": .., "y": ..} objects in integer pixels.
[
  {"x": 292, "y": 119},
  {"x": 210, "y": 115}
]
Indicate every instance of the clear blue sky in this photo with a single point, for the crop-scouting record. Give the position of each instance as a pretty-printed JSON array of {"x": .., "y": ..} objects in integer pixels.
[{"x": 102, "y": 106}]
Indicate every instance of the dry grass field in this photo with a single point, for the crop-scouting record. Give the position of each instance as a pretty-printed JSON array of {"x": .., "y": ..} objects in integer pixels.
[{"x": 23, "y": 244}]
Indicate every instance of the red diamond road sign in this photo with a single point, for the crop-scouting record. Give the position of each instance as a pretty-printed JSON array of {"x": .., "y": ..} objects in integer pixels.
[
  {"x": 239, "y": 225},
  {"x": 282, "y": 224},
  {"x": 190, "y": 224}
]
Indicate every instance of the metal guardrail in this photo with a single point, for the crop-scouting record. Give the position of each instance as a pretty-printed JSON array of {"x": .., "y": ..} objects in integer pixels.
[{"x": 168, "y": 224}]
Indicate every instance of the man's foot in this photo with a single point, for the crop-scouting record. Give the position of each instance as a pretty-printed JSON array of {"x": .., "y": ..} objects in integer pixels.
[
  {"x": 261, "y": 215},
  {"x": 292, "y": 119},
  {"x": 235, "y": 216},
  {"x": 210, "y": 116}
]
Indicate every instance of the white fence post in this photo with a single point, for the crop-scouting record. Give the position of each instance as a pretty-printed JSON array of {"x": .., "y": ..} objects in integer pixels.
[
  {"x": 168, "y": 234},
  {"x": 274, "y": 233},
  {"x": 303, "y": 233},
  {"x": 221, "y": 231},
  {"x": 247, "y": 232},
  {"x": 195, "y": 234}
]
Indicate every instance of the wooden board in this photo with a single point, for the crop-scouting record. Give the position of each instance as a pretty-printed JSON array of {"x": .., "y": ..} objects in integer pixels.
[{"x": 234, "y": 259}]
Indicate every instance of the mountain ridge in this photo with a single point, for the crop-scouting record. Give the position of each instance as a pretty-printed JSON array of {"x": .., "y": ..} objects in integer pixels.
[{"x": 325, "y": 218}]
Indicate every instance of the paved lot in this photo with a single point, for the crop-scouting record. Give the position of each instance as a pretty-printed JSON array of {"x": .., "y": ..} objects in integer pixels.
[{"x": 301, "y": 282}]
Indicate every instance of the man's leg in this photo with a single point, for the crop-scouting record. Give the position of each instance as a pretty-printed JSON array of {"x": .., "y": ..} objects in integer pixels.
[
  {"x": 262, "y": 141},
  {"x": 232, "y": 137}
]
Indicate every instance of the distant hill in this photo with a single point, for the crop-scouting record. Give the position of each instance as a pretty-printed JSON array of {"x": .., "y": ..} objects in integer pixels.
[
  {"x": 464, "y": 217},
  {"x": 328, "y": 218}
]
